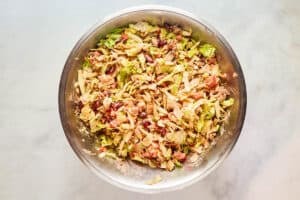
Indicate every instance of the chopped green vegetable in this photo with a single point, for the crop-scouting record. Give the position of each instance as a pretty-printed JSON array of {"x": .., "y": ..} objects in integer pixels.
[
  {"x": 96, "y": 126},
  {"x": 182, "y": 44},
  {"x": 116, "y": 140},
  {"x": 86, "y": 63},
  {"x": 138, "y": 159},
  {"x": 124, "y": 152},
  {"x": 151, "y": 164},
  {"x": 207, "y": 50},
  {"x": 177, "y": 137},
  {"x": 125, "y": 72},
  {"x": 130, "y": 30},
  {"x": 176, "y": 84},
  {"x": 227, "y": 103},
  {"x": 186, "y": 149},
  {"x": 111, "y": 155},
  {"x": 163, "y": 33},
  {"x": 209, "y": 111},
  {"x": 105, "y": 140},
  {"x": 217, "y": 128},
  {"x": 192, "y": 52},
  {"x": 117, "y": 30},
  {"x": 199, "y": 125},
  {"x": 164, "y": 69},
  {"x": 154, "y": 50},
  {"x": 168, "y": 154},
  {"x": 170, "y": 36},
  {"x": 190, "y": 140},
  {"x": 178, "y": 164},
  {"x": 110, "y": 40}
]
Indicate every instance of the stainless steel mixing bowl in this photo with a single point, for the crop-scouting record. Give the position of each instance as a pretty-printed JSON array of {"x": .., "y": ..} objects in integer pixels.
[{"x": 131, "y": 176}]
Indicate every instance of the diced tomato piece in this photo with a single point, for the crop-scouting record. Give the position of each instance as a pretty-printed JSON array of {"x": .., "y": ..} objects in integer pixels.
[
  {"x": 155, "y": 145},
  {"x": 102, "y": 149},
  {"x": 211, "y": 81},
  {"x": 97, "y": 53},
  {"x": 179, "y": 37},
  {"x": 179, "y": 156},
  {"x": 147, "y": 155},
  {"x": 124, "y": 37},
  {"x": 153, "y": 153},
  {"x": 197, "y": 95}
]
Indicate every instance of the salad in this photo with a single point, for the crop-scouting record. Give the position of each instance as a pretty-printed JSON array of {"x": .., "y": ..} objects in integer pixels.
[{"x": 152, "y": 94}]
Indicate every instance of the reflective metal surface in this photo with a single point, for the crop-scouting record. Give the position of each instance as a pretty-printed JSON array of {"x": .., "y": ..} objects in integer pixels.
[{"x": 131, "y": 176}]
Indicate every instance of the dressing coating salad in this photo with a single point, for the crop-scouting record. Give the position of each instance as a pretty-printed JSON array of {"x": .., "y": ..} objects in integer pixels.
[{"x": 152, "y": 94}]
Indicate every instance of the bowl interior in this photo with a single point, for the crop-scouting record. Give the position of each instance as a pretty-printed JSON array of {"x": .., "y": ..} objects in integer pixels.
[{"x": 129, "y": 175}]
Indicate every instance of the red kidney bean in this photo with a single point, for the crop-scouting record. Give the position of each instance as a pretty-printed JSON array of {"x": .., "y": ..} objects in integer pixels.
[
  {"x": 163, "y": 131},
  {"x": 146, "y": 124},
  {"x": 95, "y": 105},
  {"x": 110, "y": 69},
  {"x": 117, "y": 105},
  {"x": 168, "y": 26},
  {"x": 148, "y": 58},
  {"x": 161, "y": 43},
  {"x": 143, "y": 115},
  {"x": 79, "y": 105}
]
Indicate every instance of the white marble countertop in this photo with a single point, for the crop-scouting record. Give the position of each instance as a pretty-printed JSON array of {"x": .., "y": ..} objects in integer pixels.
[{"x": 37, "y": 162}]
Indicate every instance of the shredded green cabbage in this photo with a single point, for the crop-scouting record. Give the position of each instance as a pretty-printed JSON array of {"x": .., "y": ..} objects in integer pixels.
[
  {"x": 207, "y": 50},
  {"x": 227, "y": 103}
]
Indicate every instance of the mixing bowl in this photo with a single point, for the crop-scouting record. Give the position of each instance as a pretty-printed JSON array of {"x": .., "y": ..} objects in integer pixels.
[{"x": 128, "y": 175}]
